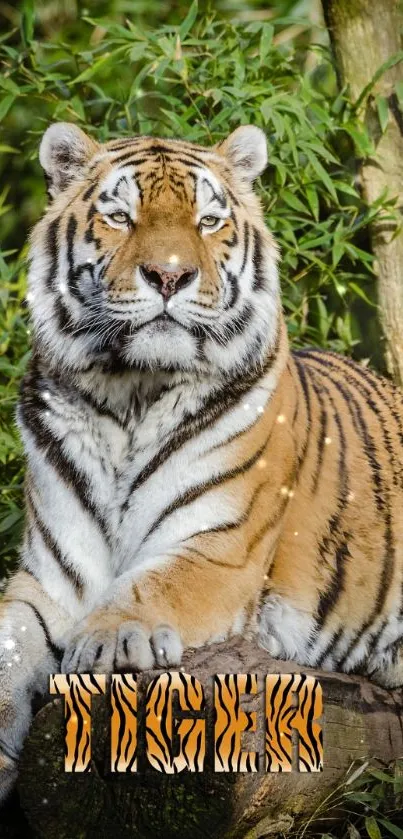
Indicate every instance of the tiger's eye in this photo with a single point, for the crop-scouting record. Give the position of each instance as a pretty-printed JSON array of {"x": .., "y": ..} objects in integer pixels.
[
  {"x": 209, "y": 221},
  {"x": 119, "y": 217}
]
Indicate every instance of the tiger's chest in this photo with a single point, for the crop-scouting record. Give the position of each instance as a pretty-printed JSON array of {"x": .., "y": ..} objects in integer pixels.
[{"x": 140, "y": 469}]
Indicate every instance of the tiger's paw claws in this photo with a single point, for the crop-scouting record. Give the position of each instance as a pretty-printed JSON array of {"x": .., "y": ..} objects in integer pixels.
[{"x": 130, "y": 648}]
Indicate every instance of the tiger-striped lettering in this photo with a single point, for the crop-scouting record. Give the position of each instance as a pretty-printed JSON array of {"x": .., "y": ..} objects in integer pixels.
[
  {"x": 124, "y": 723},
  {"x": 162, "y": 726},
  {"x": 293, "y": 704},
  {"x": 231, "y": 722},
  {"x": 78, "y": 691}
]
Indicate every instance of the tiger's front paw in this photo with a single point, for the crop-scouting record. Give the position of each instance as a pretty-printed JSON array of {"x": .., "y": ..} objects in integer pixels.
[{"x": 130, "y": 647}]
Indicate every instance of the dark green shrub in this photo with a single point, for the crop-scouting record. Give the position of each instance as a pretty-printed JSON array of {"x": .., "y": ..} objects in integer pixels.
[{"x": 367, "y": 804}]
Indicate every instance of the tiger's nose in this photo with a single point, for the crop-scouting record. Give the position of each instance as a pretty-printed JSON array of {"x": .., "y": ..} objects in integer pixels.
[{"x": 167, "y": 280}]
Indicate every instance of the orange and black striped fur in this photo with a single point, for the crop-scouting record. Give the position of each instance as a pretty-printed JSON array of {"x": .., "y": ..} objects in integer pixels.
[{"x": 188, "y": 478}]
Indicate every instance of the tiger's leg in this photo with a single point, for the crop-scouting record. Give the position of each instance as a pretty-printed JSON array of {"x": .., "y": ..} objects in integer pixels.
[
  {"x": 188, "y": 601},
  {"x": 30, "y": 626},
  {"x": 288, "y": 633},
  {"x": 385, "y": 662},
  {"x": 388, "y": 670},
  {"x": 285, "y": 631}
]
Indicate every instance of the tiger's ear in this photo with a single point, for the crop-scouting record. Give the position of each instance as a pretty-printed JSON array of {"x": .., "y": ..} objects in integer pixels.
[
  {"x": 64, "y": 152},
  {"x": 246, "y": 150}
]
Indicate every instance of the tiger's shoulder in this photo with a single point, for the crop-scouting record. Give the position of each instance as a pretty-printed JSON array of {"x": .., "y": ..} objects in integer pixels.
[
  {"x": 335, "y": 364},
  {"x": 359, "y": 399}
]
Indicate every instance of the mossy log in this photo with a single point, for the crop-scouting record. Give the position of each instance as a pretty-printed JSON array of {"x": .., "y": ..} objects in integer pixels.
[{"x": 360, "y": 720}]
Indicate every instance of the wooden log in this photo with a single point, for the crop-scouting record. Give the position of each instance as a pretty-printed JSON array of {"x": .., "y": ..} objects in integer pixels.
[{"x": 360, "y": 720}]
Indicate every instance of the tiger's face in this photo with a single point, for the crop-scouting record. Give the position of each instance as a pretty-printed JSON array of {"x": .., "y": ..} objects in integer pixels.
[{"x": 154, "y": 254}]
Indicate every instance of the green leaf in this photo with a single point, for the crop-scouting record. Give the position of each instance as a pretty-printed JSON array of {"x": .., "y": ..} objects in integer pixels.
[
  {"x": 78, "y": 107},
  {"x": 10, "y": 520},
  {"x": 337, "y": 253},
  {"x": 6, "y": 104},
  {"x": 377, "y": 773},
  {"x": 267, "y": 109},
  {"x": 322, "y": 174},
  {"x": 9, "y": 85},
  {"x": 28, "y": 20},
  {"x": 399, "y": 93},
  {"x": 346, "y": 188},
  {"x": 266, "y": 39},
  {"x": 392, "y": 828},
  {"x": 382, "y": 107},
  {"x": 361, "y": 293},
  {"x": 190, "y": 18},
  {"x": 391, "y": 62},
  {"x": 98, "y": 65},
  {"x": 137, "y": 52},
  {"x": 372, "y": 828},
  {"x": 360, "y": 138},
  {"x": 293, "y": 201},
  {"x": 313, "y": 201}
]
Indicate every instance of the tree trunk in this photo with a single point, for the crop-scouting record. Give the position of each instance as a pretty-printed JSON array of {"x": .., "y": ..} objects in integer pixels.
[
  {"x": 360, "y": 720},
  {"x": 365, "y": 34}
]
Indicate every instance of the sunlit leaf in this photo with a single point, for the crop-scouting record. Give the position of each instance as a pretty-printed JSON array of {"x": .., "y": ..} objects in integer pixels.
[
  {"x": 190, "y": 18},
  {"x": 382, "y": 107}
]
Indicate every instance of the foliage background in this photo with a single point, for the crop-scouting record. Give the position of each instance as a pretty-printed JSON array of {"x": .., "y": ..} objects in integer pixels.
[{"x": 119, "y": 67}]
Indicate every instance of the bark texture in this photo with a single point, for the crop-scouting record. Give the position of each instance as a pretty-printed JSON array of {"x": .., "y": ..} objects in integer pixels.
[
  {"x": 360, "y": 720},
  {"x": 365, "y": 34}
]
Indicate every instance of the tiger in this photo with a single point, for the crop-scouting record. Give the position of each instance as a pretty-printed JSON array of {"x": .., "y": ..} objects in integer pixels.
[{"x": 189, "y": 478}]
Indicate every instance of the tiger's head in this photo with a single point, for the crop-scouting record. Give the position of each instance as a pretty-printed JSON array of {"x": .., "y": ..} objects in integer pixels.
[{"x": 153, "y": 254}]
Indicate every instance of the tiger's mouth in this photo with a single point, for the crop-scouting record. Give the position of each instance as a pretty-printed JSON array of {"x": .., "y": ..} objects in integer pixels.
[
  {"x": 116, "y": 340},
  {"x": 161, "y": 321},
  {"x": 163, "y": 316}
]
